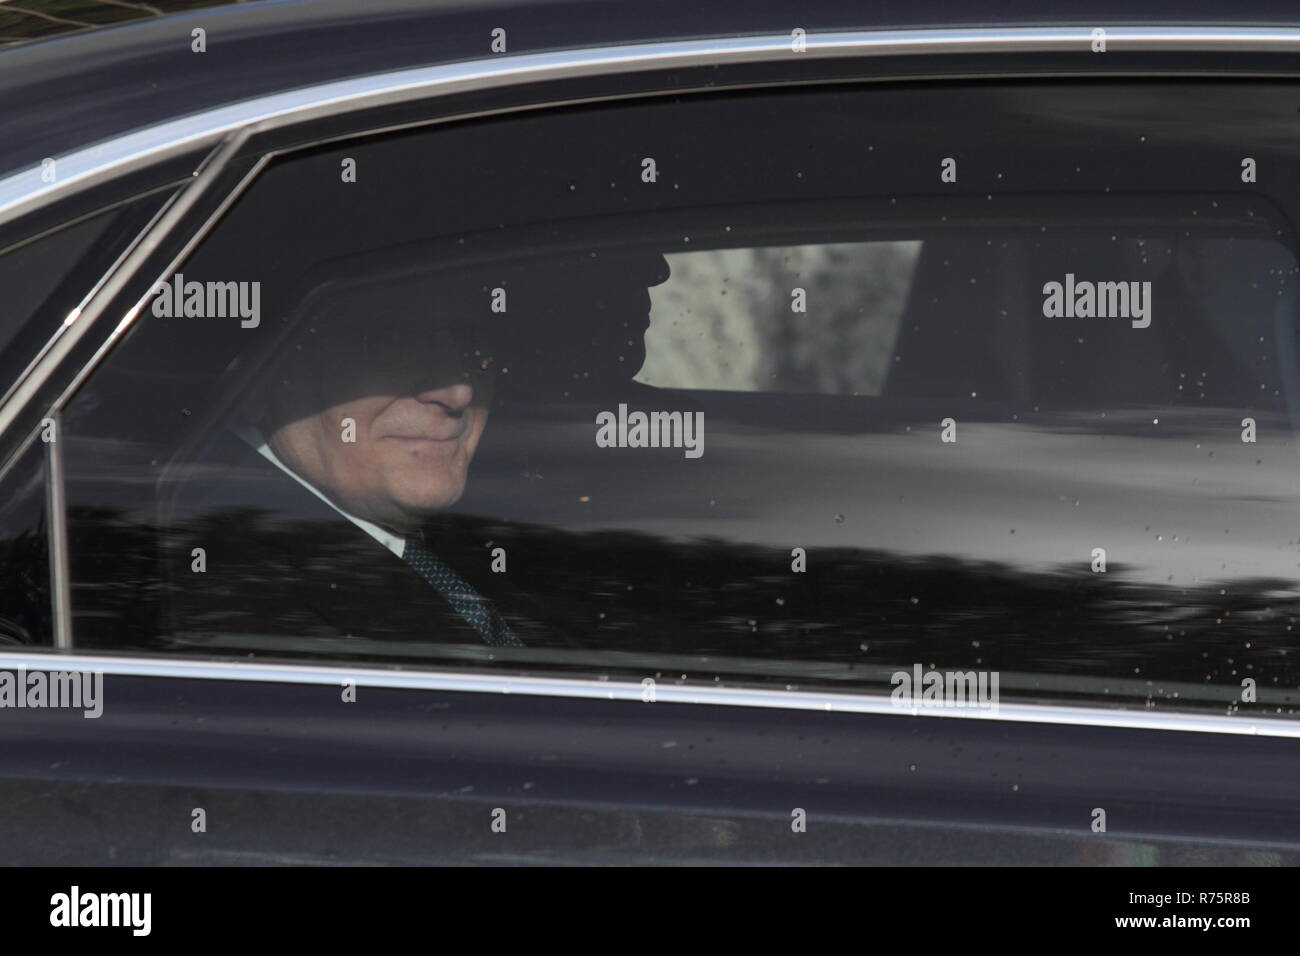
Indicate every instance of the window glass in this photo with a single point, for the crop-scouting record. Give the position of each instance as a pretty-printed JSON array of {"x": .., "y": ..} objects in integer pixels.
[
  {"x": 25, "y": 609},
  {"x": 31, "y": 271},
  {"x": 772, "y": 389},
  {"x": 46, "y": 277},
  {"x": 725, "y": 319}
]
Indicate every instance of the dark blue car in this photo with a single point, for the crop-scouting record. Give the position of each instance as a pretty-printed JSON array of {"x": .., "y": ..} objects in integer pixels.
[{"x": 562, "y": 432}]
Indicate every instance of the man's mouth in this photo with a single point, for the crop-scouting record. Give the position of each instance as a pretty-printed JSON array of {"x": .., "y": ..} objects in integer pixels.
[{"x": 437, "y": 438}]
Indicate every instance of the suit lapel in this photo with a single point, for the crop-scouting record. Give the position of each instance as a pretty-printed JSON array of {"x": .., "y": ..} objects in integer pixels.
[{"x": 323, "y": 575}]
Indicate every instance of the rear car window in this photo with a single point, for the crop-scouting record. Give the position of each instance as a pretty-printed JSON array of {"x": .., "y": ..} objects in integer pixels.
[
  {"x": 45, "y": 277},
  {"x": 777, "y": 389}
]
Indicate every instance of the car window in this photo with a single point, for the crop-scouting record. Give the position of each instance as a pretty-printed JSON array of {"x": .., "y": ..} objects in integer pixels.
[
  {"x": 31, "y": 271},
  {"x": 44, "y": 277},
  {"x": 719, "y": 320},
  {"x": 763, "y": 389},
  {"x": 25, "y": 600},
  {"x": 47, "y": 276}
]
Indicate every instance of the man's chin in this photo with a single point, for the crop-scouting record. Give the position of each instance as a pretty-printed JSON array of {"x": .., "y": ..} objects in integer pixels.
[{"x": 423, "y": 504}]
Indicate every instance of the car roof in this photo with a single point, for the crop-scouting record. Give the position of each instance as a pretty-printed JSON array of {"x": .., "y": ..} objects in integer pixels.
[{"x": 68, "y": 90}]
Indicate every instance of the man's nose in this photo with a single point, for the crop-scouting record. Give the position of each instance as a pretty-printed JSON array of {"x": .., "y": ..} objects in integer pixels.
[{"x": 454, "y": 397}]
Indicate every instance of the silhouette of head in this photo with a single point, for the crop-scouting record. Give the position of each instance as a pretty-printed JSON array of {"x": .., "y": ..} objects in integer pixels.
[{"x": 381, "y": 396}]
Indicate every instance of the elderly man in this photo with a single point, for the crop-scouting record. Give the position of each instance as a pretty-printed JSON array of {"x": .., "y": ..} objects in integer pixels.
[
  {"x": 381, "y": 421},
  {"x": 356, "y": 439}
]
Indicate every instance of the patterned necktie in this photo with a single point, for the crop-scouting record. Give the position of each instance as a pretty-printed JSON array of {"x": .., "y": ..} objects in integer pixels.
[{"x": 471, "y": 605}]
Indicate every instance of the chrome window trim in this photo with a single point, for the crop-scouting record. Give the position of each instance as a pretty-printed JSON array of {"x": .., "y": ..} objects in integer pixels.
[
  {"x": 72, "y": 316},
  {"x": 225, "y": 129},
  {"x": 75, "y": 326},
  {"x": 665, "y": 692},
  {"x": 23, "y": 190},
  {"x": 57, "y": 538},
  {"x": 149, "y": 241}
]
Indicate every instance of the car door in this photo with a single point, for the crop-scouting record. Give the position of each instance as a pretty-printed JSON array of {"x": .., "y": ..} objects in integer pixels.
[{"x": 840, "y": 490}]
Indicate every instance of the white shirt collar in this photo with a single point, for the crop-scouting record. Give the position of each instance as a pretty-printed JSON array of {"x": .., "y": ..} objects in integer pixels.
[{"x": 392, "y": 542}]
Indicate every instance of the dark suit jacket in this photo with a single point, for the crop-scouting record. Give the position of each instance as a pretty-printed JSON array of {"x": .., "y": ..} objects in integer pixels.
[{"x": 282, "y": 565}]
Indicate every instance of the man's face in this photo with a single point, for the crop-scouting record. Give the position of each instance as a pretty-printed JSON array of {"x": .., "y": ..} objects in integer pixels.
[{"x": 382, "y": 416}]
